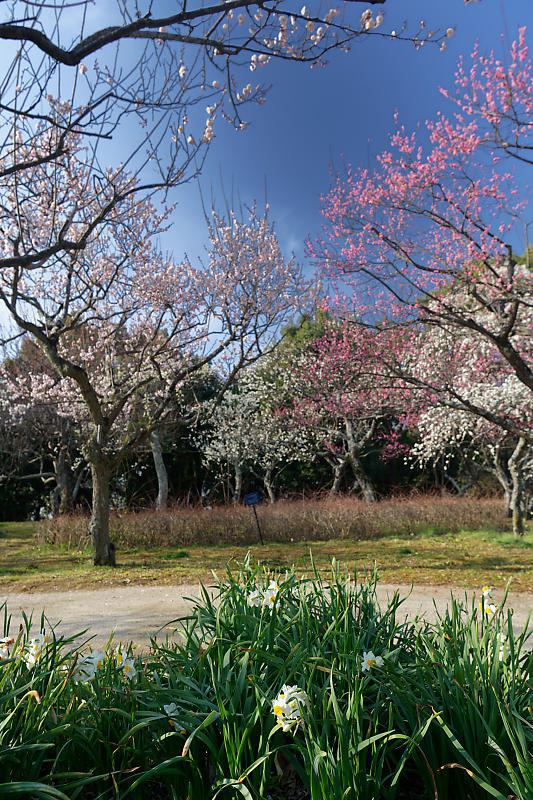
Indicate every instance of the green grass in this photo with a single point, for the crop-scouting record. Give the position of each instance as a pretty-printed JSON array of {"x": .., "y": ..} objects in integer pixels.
[
  {"x": 446, "y": 713},
  {"x": 463, "y": 559}
]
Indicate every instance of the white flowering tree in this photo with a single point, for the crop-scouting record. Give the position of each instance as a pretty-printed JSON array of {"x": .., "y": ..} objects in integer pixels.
[
  {"x": 124, "y": 341},
  {"x": 36, "y": 442},
  {"x": 472, "y": 377},
  {"x": 156, "y": 79},
  {"x": 250, "y": 430}
]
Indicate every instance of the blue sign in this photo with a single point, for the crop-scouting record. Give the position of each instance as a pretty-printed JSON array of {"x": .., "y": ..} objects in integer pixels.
[{"x": 251, "y": 499}]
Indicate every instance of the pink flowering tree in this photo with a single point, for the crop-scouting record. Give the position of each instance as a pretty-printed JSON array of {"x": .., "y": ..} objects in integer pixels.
[
  {"x": 125, "y": 328},
  {"x": 339, "y": 395},
  {"x": 424, "y": 242}
]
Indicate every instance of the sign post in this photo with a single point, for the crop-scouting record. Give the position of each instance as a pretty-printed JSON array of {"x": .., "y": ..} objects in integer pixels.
[{"x": 252, "y": 499}]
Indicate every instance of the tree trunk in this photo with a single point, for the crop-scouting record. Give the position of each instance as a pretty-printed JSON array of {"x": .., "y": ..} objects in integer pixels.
[
  {"x": 361, "y": 478},
  {"x": 65, "y": 482},
  {"x": 501, "y": 472},
  {"x": 267, "y": 482},
  {"x": 238, "y": 484},
  {"x": 161, "y": 472},
  {"x": 338, "y": 469},
  {"x": 104, "y": 549},
  {"x": 518, "y": 491}
]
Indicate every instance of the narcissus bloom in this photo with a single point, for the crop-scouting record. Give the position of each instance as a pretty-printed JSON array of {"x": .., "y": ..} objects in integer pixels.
[
  {"x": 5, "y": 644},
  {"x": 265, "y": 598},
  {"x": 287, "y": 707},
  {"x": 33, "y": 649},
  {"x": 255, "y": 598},
  {"x": 171, "y": 710},
  {"x": 126, "y": 664},
  {"x": 87, "y": 666},
  {"x": 270, "y": 594},
  {"x": 369, "y": 660}
]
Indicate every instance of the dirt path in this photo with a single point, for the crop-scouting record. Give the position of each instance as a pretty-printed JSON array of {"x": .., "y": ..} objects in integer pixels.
[{"x": 136, "y": 612}]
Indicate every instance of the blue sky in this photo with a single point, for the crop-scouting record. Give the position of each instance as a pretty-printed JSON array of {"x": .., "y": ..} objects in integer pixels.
[{"x": 311, "y": 117}]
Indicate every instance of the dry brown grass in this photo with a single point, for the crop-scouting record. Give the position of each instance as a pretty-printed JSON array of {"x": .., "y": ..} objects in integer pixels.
[{"x": 287, "y": 521}]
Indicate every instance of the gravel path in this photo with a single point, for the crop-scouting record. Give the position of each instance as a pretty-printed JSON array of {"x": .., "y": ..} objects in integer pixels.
[{"x": 136, "y": 612}]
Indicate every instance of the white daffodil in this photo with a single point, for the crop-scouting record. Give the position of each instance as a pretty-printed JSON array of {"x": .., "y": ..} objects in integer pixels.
[
  {"x": 171, "y": 710},
  {"x": 125, "y": 663},
  {"x": 489, "y": 609},
  {"x": 87, "y": 666},
  {"x": 255, "y": 598},
  {"x": 5, "y": 644},
  {"x": 33, "y": 649},
  {"x": 270, "y": 594},
  {"x": 486, "y": 591},
  {"x": 287, "y": 707},
  {"x": 501, "y": 642},
  {"x": 369, "y": 660}
]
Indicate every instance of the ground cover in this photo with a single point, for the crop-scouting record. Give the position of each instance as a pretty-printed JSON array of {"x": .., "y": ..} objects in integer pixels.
[
  {"x": 424, "y": 552},
  {"x": 278, "y": 689}
]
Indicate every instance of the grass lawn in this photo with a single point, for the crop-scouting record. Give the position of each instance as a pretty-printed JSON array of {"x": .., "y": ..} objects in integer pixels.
[{"x": 463, "y": 559}]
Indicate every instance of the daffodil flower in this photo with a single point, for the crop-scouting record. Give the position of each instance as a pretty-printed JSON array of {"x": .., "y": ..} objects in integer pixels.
[
  {"x": 5, "y": 644},
  {"x": 255, "y": 599},
  {"x": 270, "y": 594},
  {"x": 369, "y": 660},
  {"x": 264, "y": 598},
  {"x": 287, "y": 707},
  {"x": 126, "y": 664},
  {"x": 33, "y": 649},
  {"x": 87, "y": 666},
  {"x": 486, "y": 591},
  {"x": 489, "y": 609},
  {"x": 171, "y": 710}
]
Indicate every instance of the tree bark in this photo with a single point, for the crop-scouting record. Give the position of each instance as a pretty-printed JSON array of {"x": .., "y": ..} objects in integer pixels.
[
  {"x": 161, "y": 472},
  {"x": 500, "y": 470},
  {"x": 338, "y": 469},
  {"x": 518, "y": 490},
  {"x": 361, "y": 478},
  {"x": 238, "y": 484},
  {"x": 104, "y": 549},
  {"x": 267, "y": 482},
  {"x": 65, "y": 482}
]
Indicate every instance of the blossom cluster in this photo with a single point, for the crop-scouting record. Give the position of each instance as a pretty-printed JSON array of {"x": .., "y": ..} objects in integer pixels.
[
  {"x": 264, "y": 598},
  {"x": 85, "y": 666},
  {"x": 172, "y": 712},
  {"x": 486, "y": 605},
  {"x": 287, "y": 707},
  {"x": 29, "y": 650}
]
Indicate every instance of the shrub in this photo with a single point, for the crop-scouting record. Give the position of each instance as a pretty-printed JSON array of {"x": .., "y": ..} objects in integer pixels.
[{"x": 302, "y": 520}]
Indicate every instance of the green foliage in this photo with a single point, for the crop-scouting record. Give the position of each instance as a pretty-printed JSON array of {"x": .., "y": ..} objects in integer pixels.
[{"x": 447, "y": 710}]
